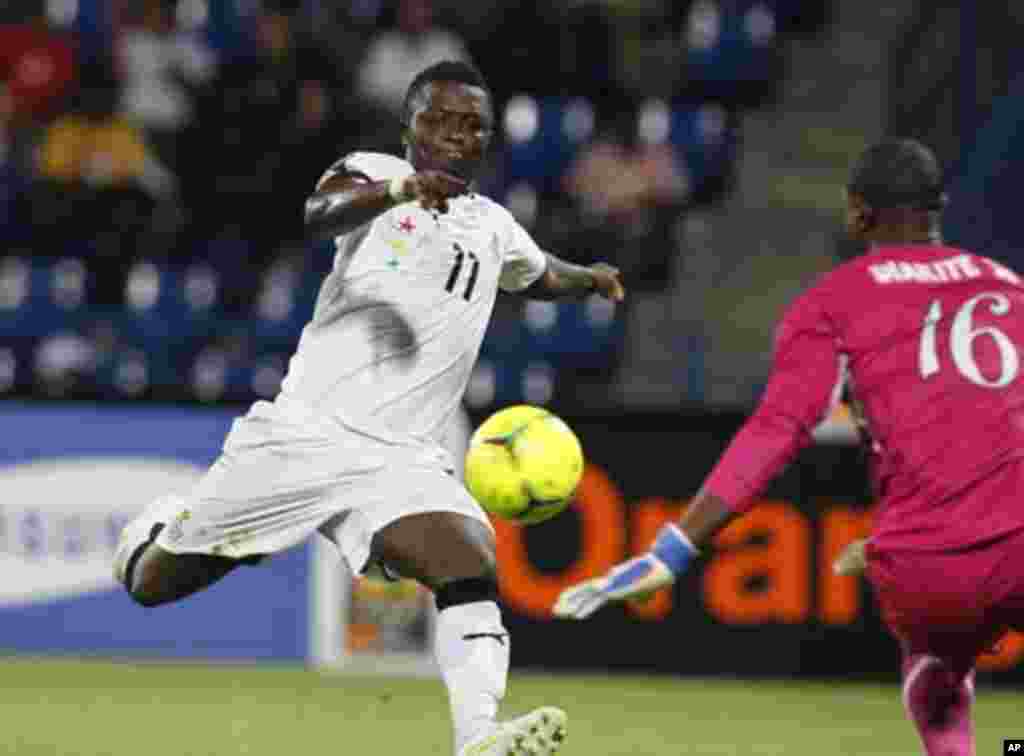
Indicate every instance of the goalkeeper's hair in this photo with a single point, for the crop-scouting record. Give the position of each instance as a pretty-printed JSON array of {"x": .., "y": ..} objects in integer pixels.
[{"x": 898, "y": 173}]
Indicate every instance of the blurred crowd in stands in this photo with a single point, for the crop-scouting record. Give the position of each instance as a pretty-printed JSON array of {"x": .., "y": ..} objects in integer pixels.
[{"x": 155, "y": 156}]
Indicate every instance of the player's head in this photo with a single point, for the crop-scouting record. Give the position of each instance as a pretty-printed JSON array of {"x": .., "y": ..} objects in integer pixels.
[
  {"x": 895, "y": 193},
  {"x": 448, "y": 119}
]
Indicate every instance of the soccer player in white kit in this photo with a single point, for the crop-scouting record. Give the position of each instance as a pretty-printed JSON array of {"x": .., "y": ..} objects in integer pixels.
[{"x": 353, "y": 446}]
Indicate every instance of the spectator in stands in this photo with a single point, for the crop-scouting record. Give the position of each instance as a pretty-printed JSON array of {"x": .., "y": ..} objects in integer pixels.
[
  {"x": 37, "y": 68},
  {"x": 6, "y": 113},
  {"x": 395, "y": 57},
  {"x": 267, "y": 119},
  {"x": 616, "y": 178},
  {"x": 161, "y": 67},
  {"x": 14, "y": 228},
  {"x": 628, "y": 190},
  {"x": 98, "y": 182},
  {"x": 96, "y": 146},
  {"x": 8, "y": 186},
  {"x": 529, "y": 58}
]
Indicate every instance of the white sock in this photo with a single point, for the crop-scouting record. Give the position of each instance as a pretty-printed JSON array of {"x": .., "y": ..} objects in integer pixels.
[{"x": 472, "y": 649}]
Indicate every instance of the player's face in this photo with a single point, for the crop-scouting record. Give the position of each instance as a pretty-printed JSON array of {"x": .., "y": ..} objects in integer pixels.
[{"x": 450, "y": 129}]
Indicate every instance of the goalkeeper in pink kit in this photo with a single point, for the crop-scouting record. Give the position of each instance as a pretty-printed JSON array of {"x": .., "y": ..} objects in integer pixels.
[{"x": 927, "y": 338}]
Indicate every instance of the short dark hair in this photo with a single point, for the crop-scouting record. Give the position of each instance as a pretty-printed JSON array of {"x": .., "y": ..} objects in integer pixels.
[
  {"x": 447, "y": 70},
  {"x": 898, "y": 173}
]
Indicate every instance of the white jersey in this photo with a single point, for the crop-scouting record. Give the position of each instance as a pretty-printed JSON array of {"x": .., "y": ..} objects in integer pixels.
[{"x": 399, "y": 320}]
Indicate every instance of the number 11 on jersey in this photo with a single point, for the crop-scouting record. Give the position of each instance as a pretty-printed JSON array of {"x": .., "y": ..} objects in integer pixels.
[{"x": 460, "y": 257}]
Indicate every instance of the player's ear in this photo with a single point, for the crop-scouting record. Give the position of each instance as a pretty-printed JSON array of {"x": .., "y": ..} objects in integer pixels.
[
  {"x": 868, "y": 218},
  {"x": 862, "y": 216}
]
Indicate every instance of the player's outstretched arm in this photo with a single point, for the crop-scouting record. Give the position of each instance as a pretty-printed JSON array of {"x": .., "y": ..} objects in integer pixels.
[
  {"x": 805, "y": 376},
  {"x": 346, "y": 201},
  {"x": 563, "y": 279},
  {"x": 675, "y": 547}
]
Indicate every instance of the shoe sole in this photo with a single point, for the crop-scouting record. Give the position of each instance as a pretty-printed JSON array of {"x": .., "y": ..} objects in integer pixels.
[{"x": 540, "y": 733}]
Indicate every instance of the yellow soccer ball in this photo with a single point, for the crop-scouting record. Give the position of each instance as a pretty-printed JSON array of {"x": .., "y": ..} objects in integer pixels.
[{"x": 523, "y": 464}]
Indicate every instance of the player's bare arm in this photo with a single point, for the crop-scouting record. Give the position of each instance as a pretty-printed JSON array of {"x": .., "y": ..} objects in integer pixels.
[
  {"x": 563, "y": 279},
  {"x": 346, "y": 201},
  {"x": 705, "y": 516}
]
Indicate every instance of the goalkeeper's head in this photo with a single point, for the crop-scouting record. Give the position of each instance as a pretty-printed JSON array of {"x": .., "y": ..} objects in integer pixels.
[{"x": 895, "y": 194}]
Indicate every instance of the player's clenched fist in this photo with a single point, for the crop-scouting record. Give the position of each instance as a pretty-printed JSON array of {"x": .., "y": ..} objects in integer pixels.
[
  {"x": 431, "y": 188},
  {"x": 608, "y": 282}
]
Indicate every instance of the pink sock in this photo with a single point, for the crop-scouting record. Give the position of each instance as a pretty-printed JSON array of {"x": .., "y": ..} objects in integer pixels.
[{"x": 940, "y": 705}]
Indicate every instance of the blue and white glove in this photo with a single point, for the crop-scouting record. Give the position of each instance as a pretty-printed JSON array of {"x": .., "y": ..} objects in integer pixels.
[{"x": 635, "y": 579}]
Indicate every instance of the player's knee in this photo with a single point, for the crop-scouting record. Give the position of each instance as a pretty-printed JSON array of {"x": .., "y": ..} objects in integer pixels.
[
  {"x": 482, "y": 565},
  {"x": 473, "y": 557},
  {"x": 471, "y": 552},
  {"x": 471, "y": 580},
  {"x": 466, "y": 591}
]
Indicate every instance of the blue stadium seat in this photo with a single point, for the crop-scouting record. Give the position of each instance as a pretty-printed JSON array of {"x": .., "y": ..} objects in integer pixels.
[
  {"x": 172, "y": 309},
  {"x": 540, "y": 325},
  {"x": 512, "y": 380},
  {"x": 212, "y": 374},
  {"x": 571, "y": 334},
  {"x": 535, "y": 381},
  {"x": 731, "y": 46},
  {"x": 320, "y": 255},
  {"x": 128, "y": 373},
  {"x": 265, "y": 373},
  {"x": 217, "y": 375},
  {"x": 16, "y": 364},
  {"x": 93, "y": 28},
  {"x": 229, "y": 251},
  {"x": 39, "y": 296},
  {"x": 284, "y": 305},
  {"x": 14, "y": 225},
  {"x": 117, "y": 360},
  {"x": 541, "y": 139},
  {"x": 505, "y": 334},
  {"x": 702, "y": 138},
  {"x": 705, "y": 139},
  {"x": 591, "y": 333}
]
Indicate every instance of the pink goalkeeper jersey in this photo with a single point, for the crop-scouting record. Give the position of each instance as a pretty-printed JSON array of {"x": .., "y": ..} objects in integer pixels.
[{"x": 927, "y": 339}]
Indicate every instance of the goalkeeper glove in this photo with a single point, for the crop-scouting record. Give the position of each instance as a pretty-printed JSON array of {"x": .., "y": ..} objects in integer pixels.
[{"x": 636, "y": 578}]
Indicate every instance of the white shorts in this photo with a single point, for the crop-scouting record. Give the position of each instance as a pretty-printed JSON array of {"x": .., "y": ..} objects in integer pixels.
[{"x": 285, "y": 471}]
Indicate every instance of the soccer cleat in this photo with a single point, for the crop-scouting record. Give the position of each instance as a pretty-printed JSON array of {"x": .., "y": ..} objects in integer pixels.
[
  {"x": 539, "y": 733},
  {"x": 853, "y": 560}
]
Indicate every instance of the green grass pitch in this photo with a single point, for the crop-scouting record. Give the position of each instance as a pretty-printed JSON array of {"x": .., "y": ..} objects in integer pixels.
[{"x": 88, "y": 708}]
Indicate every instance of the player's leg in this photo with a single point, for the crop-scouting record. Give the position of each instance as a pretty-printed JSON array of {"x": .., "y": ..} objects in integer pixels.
[
  {"x": 931, "y": 603},
  {"x": 160, "y": 577},
  {"x": 454, "y": 555},
  {"x": 182, "y": 544},
  {"x": 938, "y": 695},
  {"x": 938, "y": 661},
  {"x": 154, "y": 576}
]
